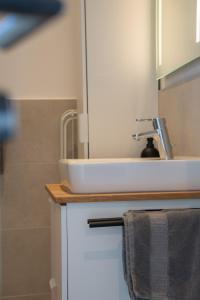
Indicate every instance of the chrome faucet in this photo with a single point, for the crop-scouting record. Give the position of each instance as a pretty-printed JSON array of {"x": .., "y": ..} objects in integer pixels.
[{"x": 160, "y": 134}]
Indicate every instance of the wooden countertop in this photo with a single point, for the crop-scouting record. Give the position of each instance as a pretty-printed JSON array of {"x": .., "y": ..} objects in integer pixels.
[{"x": 63, "y": 197}]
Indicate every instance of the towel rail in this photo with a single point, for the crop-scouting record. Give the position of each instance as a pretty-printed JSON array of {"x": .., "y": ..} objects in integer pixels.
[
  {"x": 68, "y": 118},
  {"x": 110, "y": 222},
  {"x": 105, "y": 222}
]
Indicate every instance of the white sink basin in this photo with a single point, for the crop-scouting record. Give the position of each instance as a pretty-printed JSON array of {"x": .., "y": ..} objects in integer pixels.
[{"x": 130, "y": 174}]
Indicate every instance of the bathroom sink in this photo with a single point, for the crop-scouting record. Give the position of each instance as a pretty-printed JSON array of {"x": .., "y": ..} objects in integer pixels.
[{"x": 130, "y": 174}]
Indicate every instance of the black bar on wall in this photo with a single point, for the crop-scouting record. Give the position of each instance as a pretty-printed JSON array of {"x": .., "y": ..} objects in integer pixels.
[{"x": 110, "y": 222}]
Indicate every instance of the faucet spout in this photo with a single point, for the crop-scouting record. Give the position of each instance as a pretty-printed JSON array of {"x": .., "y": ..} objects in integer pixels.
[
  {"x": 139, "y": 136},
  {"x": 160, "y": 134}
]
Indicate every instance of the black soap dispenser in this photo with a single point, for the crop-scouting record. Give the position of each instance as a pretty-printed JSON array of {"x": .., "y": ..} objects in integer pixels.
[{"x": 150, "y": 150}]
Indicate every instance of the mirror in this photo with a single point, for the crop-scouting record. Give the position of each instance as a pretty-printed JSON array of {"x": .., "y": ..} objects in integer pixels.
[{"x": 178, "y": 34}]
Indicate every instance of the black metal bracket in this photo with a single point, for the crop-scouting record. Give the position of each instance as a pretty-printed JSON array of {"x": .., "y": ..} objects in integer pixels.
[{"x": 105, "y": 222}]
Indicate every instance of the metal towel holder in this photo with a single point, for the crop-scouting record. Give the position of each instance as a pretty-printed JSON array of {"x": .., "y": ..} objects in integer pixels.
[
  {"x": 105, "y": 222},
  {"x": 111, "y": 222}
]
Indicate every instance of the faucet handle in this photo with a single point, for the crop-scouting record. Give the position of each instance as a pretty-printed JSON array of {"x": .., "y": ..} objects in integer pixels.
[{"x": 142, "y": 120}]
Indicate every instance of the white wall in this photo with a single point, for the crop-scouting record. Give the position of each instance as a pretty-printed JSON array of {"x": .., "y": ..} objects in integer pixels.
[
  {"x": 121, "y": 73},
  {"x": 120, "y": 65},
  {"x": 45, "y": 65}
]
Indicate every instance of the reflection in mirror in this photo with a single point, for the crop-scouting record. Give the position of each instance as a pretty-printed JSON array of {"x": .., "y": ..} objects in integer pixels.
[{"x": 178, "y": 34}]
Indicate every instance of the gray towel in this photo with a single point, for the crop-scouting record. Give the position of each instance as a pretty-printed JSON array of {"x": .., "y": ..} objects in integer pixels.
[{"x": 161, "y": 254}]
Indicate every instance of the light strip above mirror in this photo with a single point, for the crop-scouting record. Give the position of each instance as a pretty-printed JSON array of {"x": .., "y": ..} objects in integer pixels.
[
  {"x": 198, "y": 22},
  {"x": 159, "y": 31}
]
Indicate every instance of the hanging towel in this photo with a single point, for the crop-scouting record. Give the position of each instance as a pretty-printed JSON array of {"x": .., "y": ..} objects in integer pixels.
[{"x": 161, "y": 254}]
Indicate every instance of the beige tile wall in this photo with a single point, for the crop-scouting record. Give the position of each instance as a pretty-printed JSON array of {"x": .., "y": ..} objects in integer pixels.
[
  {"x": 181, "y": 107},
  {"x": 31, "y": 161}
]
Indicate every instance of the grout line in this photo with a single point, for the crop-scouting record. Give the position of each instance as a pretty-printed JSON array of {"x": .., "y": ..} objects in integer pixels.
[
  {"x": 73, "y": 98},
  {"x": 32, "y": 162},
  {"x": 28, "y": 295},
  {"x": 24, "y": 228}
]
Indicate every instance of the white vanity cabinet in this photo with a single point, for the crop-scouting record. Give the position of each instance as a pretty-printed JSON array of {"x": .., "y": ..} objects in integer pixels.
[{"x": 87, "y": 262}]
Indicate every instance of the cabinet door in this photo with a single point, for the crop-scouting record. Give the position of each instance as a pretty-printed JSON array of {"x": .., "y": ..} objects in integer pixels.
[{"x": 95, "y": 270}]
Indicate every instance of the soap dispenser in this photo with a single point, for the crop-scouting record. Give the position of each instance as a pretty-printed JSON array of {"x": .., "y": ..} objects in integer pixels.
[{"x": 150, "y": 150}]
